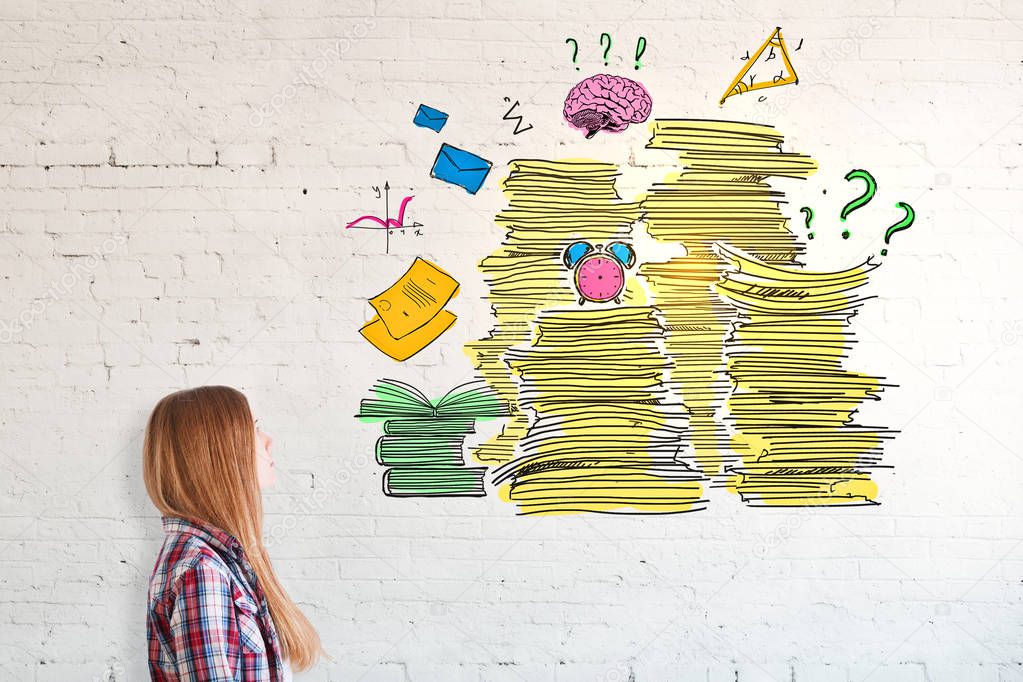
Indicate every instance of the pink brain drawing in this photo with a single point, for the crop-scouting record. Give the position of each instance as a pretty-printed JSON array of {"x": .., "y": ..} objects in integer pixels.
[{"x": 606, "y": 102}]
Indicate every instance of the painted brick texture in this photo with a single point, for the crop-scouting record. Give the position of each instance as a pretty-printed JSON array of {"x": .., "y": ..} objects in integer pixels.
[{"x": 176, "y": 178}]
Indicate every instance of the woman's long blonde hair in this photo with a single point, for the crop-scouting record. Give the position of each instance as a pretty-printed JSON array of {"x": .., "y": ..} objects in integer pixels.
[{"x": 200, "y": 464}]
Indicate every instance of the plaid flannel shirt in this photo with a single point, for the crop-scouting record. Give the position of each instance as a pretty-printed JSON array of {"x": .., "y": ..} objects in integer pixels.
[{"x": 208, "y": 619}]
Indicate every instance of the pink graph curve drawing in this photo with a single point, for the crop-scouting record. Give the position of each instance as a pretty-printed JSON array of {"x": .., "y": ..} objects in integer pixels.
[{"x": 389, "y": 223}]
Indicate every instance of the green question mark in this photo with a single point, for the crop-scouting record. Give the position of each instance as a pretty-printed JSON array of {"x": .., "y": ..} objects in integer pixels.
[
  {"x": 608, "y": 48},
  {"x": 808, "y": 212},
  {"x": 901, "y": 225},
  {"x": 863, "y": 198},
  {"x": 575, "y": 49}
]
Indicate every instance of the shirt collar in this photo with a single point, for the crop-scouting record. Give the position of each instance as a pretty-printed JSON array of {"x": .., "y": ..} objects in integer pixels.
[{"x": 215, "y": 537}]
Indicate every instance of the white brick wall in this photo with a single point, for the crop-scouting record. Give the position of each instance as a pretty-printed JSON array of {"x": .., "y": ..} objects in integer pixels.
[{"x": 176, "y": 177}]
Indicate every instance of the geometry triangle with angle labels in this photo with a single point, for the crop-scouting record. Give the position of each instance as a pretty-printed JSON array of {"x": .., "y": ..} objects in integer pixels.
[{"x": 770, "y": 75}]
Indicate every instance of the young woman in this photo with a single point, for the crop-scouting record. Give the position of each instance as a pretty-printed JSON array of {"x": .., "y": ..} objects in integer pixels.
[{"x": 216, "y": 609}]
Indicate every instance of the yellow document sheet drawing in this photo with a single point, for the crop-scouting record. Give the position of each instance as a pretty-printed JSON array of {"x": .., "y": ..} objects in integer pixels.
[
  {"x": 410, "y": 314},
  {"x": 415, "y": 299},
  {"x": 402, "y": 349}
]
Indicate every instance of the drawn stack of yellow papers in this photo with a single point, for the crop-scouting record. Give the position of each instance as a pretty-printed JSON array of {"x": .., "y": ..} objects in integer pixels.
[
  {"x": 410, "y": 315},
  {"x": 551, "y": 204},
  {"x": 793, "y": 402},
  {"x": 607, "y": 433},
  {"x": 720, "y": 196}
]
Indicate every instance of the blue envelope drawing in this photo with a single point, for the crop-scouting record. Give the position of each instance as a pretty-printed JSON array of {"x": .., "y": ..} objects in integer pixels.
[
  {"x": 428, "y": 117},
  {"x": 461, "y": 168}
]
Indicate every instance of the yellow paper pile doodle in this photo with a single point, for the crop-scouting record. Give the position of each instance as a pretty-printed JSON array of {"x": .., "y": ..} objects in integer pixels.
[{"x": 410, "y": 314}]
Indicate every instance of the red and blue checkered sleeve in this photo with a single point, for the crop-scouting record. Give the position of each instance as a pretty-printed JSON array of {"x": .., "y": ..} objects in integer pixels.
[{"x": 204, "y": 627}]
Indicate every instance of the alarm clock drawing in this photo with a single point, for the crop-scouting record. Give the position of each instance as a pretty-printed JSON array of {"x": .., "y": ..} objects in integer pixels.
[{"x": 599, "y": 271}]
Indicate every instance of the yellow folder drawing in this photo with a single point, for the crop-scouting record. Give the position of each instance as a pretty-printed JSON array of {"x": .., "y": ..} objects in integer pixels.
[
  {"x": 415, "y": 299},
  {"x": 402, "y": 349},
  {"x": 410, "y": 314}
]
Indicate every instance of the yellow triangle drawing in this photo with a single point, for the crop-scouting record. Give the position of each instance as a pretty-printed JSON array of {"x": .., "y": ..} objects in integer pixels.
[{"x": 739, "y": 85}]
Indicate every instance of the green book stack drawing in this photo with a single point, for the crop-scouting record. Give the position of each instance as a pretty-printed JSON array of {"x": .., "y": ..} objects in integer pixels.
[{"x": 423, "y": 446}]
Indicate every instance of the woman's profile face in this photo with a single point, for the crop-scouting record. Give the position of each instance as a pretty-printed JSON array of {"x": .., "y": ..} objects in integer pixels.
[{"x": 266, "y": 475}]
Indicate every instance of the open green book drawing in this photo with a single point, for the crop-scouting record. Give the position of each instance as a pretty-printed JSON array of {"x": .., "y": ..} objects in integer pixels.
[
  {"x": 397, "y": 399},
  {"x": 424, "y": 440}
]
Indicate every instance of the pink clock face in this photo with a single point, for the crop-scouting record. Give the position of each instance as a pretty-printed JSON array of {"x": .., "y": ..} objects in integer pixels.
[{"x": 599, "y": 278}]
